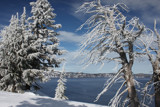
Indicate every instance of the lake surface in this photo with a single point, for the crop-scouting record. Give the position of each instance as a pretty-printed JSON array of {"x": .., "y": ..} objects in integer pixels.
[{"x": 85, "y": 89}]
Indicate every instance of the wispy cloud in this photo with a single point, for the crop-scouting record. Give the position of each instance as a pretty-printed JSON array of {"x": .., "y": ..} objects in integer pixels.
[{"x": 69, "y": 37}]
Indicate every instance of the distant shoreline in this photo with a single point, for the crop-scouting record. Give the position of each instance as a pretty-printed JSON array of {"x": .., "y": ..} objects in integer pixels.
[{"x": 56, "y": 74}]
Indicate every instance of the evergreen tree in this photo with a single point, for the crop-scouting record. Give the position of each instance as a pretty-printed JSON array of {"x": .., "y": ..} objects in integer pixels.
[
  {"x": 11, "y": 75},
  {"x": 45, "y": 43},
  {"x": 27, "y": 61},
  {"x": 60, "y": 90},
  {"x": 18, "y": 70},
  {"x": 27, "y": 50}
]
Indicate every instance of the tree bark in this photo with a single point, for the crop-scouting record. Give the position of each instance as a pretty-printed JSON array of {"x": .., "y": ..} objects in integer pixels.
[
  {"x": 132, "y": 94},
  {"x": 156, "y": 79}
]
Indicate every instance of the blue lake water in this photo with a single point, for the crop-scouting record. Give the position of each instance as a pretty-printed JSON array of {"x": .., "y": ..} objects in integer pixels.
[{"x": 85, "y": 89}]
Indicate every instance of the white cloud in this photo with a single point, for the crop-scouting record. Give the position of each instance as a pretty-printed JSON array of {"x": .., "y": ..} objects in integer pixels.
[{"x": 70, "y": 37}]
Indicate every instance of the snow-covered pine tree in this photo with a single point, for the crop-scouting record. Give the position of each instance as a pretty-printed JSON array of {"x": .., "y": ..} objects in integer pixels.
[
  {"x": 18, "y": 70},
  {"x": 45, "y": 42},
  {"x": 27, "y": 53},
  {"x": 11, "y": 75},
  {"x": 27, "y": 63},
  {"x": 60, "y": 90}
]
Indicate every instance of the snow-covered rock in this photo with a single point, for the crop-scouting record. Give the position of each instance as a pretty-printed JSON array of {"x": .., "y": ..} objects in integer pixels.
[{"x": 29, "y": 99}]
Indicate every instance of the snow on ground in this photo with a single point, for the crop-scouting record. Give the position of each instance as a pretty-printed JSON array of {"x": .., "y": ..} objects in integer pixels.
[{"x": 30, "y": 99}]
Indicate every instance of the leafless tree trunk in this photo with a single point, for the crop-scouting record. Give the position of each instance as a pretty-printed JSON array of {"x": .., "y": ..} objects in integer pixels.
[
  {"x": 128, "y": 76},
  {"x": 152, "y": 50},
  {"x": 132, "y": 95},
  {"x": 156, "y": 70},
  {"x": 156, "y": 79}
]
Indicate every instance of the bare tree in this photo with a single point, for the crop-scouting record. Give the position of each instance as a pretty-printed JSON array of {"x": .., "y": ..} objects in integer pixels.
[
  {"x": 110, "y": 33},
  {"x": 150, "y": 46}
]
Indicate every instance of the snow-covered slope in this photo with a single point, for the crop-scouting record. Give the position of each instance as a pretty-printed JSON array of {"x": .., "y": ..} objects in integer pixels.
[{"x": 29, "y": 99}]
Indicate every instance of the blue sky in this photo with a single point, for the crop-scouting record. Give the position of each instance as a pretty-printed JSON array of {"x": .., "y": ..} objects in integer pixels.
[{"x": 146, "y": 10}]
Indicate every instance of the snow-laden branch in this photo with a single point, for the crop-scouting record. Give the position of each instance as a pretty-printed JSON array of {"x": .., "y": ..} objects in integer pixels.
[
  {"x": 117, "y": 98},
  {"x": 109, "y": 84}
]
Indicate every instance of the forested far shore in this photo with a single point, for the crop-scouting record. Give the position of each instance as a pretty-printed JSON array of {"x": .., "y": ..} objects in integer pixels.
[{"x": 56, "y": 74}]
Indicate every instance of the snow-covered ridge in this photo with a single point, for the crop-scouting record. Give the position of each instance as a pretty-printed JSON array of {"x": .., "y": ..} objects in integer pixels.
[{"x": 30, "y": 99}]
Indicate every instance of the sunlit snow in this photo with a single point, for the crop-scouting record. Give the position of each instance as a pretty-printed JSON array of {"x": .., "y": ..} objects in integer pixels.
[{"x": 29, "y": 99}]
